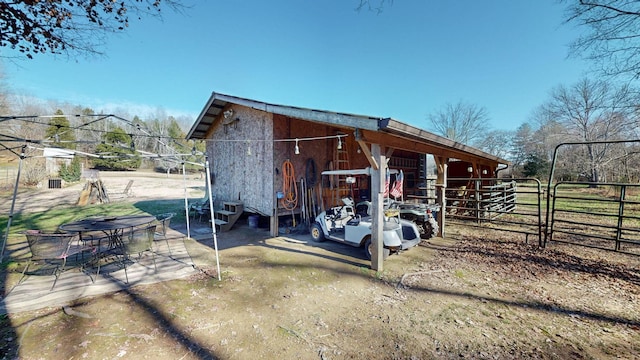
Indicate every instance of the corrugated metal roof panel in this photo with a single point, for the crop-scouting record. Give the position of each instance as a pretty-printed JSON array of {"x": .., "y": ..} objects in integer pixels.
[{"x": 217, "y": 102}]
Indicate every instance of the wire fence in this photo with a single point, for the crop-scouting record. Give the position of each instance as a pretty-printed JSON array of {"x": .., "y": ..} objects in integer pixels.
[{"x": 8, "y": 178}]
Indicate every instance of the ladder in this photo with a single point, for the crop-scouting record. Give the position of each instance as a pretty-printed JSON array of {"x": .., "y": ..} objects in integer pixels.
[{"x": 340, "y": 162}]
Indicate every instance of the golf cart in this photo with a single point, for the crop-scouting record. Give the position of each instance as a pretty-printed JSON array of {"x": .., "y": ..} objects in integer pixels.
[
  {"x": 421, "y": 214},
  {"x": 342, "y": 224}
]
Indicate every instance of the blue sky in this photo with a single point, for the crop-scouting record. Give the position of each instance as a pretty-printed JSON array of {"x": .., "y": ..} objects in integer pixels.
[{"x": 406, "y": 62}]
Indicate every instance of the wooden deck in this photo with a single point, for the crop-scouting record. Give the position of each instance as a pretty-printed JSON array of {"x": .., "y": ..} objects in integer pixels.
[{"x": 34, "y": 292}]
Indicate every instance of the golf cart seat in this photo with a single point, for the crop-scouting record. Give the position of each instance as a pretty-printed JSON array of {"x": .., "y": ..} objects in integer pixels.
[{"x": 354, "y": 221}]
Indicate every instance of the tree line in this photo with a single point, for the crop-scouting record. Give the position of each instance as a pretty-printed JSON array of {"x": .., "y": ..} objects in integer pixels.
[
  {"x": 594, "y": 118},
  {"x": 593, "y": 112},
  {"x": 108, "y": 142}
]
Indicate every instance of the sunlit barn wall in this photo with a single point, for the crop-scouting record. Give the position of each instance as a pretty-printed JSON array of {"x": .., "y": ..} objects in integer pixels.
[
  {"x": 241, "y": 157},
  {"x": 247, "y": 153}
]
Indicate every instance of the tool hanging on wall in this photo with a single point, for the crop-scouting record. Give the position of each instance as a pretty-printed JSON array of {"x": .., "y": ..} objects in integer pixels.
[
  {"x": 303, "y": 205},
  {"x": 289, "y": 188},
  {"x": 311, "y": 173},
  {"x": 310, "y": 203},
  {"x": 311, "y": 176}
]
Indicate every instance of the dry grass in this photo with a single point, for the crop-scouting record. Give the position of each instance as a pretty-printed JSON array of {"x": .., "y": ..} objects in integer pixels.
[{"x": 476, "y": 296}]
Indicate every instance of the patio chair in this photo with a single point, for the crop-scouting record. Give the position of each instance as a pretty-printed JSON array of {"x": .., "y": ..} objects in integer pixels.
[
  {"x": 127, "y": 192},
  {"x": 53, "y": 249},
  {"x": 200, "y": 209},
  {"x": 127, "y": 189},
  {"x": 137, "y": 241},
  {"x": 162, "y": 226},
  {"x": 100, "y": 242}
]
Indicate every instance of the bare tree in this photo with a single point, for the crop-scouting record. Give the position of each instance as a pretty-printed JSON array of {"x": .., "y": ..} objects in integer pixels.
[
  {"x": 521, "y": 145},
  {"x": 462, "y": 122},
  {"x": 4, "y": 94},
  {"x": 496, "y": 142},
  {"x": 593, "y": 111},
  {"x": 25, "y": 105},
  {"x": 69, "y": 26},
  {"x": 373, "y": 5},
  {"x": 613, "y": 36}
]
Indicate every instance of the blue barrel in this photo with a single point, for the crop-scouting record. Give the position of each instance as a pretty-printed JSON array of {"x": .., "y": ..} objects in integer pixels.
[{"x": 253, "y": 221}]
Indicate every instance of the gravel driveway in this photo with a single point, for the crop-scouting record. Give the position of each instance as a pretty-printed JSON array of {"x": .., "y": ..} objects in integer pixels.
[{"x": 146, "y": 185}]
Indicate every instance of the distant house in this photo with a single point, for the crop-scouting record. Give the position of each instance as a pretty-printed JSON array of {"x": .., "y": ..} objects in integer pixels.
[
  {"x": 249, "y": 141},
  {"x": 54, "y": 157}
]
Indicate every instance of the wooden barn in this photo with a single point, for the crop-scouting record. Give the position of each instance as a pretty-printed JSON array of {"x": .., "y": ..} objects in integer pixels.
[{"x": 258, "y": 150}]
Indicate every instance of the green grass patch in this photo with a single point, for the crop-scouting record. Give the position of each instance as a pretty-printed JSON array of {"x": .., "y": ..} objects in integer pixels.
[
  {"x": 459, "y": 274},
  {"x": 53, "y": 218}
]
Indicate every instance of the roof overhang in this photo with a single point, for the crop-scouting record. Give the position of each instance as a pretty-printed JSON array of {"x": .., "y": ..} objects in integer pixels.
[
  {"x": 418, "y": 138},
  {"x": 218, "y": 102},
  {"x": 384, "y": 131}
]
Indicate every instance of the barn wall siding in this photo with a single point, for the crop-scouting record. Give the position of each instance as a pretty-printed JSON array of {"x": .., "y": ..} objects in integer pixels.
[
  {"x": 254, "y": 179},
  {"x": 236, "y": 173},
  {"x": 320, "y": 151}
]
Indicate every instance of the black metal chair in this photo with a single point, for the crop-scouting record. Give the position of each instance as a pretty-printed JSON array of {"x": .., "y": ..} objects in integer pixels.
[
  {"x": 101, "y": 243},
  {"x": 200, "y": 209},
  {"x": 138, "y": 241},
  {"x": 53, "y": 249},
  {"x": 163, "y": 221}
]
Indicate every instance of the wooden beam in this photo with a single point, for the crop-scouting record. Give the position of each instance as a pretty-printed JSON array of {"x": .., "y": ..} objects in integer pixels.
[
  {"x": 367, "y": 153},
  {"x": 377, "y": 211},
  {"x": 397, "y": 142}
]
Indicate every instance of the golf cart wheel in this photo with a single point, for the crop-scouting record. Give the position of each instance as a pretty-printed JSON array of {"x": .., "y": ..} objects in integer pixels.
[
  {"x": 367, "y": 250},
  {"x": 316, "y": 233},
  {"x": 429, "y": 229}
]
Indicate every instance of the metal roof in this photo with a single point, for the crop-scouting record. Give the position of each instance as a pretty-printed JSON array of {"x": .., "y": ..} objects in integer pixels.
[{"x": 217, "y": 102}]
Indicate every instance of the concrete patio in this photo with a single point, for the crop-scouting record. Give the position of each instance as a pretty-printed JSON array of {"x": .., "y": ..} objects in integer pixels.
[{"x": 172, "y": 260}]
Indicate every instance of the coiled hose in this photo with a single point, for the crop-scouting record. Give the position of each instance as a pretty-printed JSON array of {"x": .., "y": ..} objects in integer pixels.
[{"x": 289, "y": 187}]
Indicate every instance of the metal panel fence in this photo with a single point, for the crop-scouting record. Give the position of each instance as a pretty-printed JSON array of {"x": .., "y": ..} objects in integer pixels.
[
  {"x": 602, "y": 215},
  {"x": 502, "y": 204}
]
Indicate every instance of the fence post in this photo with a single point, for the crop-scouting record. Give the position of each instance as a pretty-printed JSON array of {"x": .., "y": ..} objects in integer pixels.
[
  {"x": 478, "y": 198},
  {"x": 440, "y": 199},
  {"x": 623, "y": 191}
]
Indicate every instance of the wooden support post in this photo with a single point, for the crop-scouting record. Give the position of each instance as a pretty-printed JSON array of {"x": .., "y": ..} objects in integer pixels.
[
  {"x": 377, "y": 211},
  {"x": 442, "y": 164}
]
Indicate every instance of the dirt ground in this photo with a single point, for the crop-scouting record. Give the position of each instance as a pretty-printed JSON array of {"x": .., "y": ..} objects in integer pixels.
[{"x": 476, "y": 295}]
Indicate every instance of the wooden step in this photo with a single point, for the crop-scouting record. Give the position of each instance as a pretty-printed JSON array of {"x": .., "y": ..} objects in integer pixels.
[
  {"x": 228, "y": 215},
  {"x": 231, "y": 203}
]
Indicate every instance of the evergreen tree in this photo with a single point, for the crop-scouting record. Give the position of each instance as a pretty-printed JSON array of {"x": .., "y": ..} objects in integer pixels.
[
  {"x": 71, "y": 173},
  {"x": 535, "y": 166},
  {"x": 60, "y": 132},
  {"x": 118, "y": 151}
]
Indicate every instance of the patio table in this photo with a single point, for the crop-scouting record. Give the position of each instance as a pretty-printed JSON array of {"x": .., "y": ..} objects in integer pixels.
[{"x": 112, "y": 226}]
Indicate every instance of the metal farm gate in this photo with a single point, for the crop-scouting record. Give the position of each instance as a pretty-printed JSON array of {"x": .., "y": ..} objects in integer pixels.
[
  {"x": 600, "y": 215},
  {"x": 606, "y": 217},
  {"x": 501, "y": 204},
  {"x": 603, "y": 215}
]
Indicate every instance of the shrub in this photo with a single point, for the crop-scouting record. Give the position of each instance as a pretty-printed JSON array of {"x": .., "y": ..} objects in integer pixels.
[
  {"x": 33, "y": 172},
  {"x": 72, "y": 172}
]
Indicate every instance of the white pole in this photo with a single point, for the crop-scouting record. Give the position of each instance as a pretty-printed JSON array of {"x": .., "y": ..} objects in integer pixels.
[
  {"x": 186, "y": 201},
  {"x": 13, "y": 203},
  {"x": 212, "y": 214}
]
